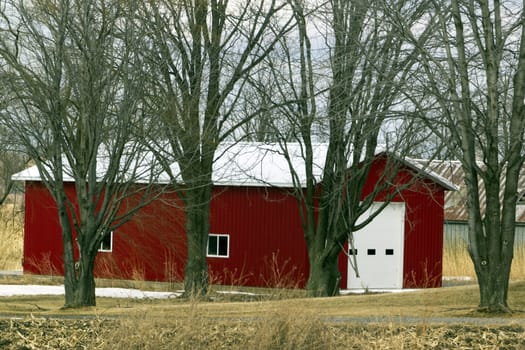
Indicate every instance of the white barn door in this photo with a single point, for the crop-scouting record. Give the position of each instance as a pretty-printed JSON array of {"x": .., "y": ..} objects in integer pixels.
[{"x": 379, "y": 250}]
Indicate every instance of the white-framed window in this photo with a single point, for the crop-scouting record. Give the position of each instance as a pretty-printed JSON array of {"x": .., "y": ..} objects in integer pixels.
[
  {"x": 218, "y": 245},
  {"x": 106, "y": 246}
]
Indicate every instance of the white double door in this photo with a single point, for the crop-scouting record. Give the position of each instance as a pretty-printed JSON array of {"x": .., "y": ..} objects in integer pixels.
[{"x": 378, "y": 250}]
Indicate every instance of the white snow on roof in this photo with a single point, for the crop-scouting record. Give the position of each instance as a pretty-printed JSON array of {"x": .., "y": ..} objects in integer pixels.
[
  {"x": 240, "y": 164},
  {"x": 250, "y": 164},
  {"x": 139, "y": 167},
  {"x": 256, "y": 164}
]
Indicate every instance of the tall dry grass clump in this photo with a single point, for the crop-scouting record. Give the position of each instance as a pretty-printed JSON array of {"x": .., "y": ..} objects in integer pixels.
[
  {"x": 296, "y": 329},
  {"x": 456, "y": 260},
  {"x": 289, "y": 329},
  {"x": 11, "y": 236}
]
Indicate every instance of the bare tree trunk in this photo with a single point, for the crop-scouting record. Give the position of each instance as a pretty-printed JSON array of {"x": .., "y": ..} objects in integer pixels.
[
  {"x": 85, "y": 290},
  {"x": 324, "y": 278},
  {"x": 197, "y": 200},
  {"x": 70, "y": 283}
]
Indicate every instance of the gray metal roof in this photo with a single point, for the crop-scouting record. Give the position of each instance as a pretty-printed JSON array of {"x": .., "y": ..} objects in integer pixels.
[{"x": 455, "y": 202}]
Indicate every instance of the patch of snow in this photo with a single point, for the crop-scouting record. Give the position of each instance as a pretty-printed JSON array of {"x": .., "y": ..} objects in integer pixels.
[
  {"x": 236, "y": 292},
  {"x": 7, "y": 290},
  {"x": 11, "y": 273},
  {"x": 457, "y": 278},
  {"x": 363, "y": 291}
]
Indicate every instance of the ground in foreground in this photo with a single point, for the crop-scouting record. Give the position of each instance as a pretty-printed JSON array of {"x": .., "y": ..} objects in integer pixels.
[
  {"x": 278, "y": 333},
  {"x": 443, "y": 318}
]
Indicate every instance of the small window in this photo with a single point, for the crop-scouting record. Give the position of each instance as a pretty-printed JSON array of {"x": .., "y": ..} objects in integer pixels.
[
  {"x": 371, "y": 252},
  {"x": 389, "y": 251},
  {"x": 106, "y": 246},
  {"x": 218, "y": 246},
  {"x": 352, "y": 251}
]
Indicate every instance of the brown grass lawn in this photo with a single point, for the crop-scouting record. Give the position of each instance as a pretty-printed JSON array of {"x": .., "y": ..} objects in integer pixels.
[{"x": 444, "y": 318}]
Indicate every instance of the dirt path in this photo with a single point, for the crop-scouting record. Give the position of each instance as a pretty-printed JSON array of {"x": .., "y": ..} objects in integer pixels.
[{"x": 412, "y": 320}]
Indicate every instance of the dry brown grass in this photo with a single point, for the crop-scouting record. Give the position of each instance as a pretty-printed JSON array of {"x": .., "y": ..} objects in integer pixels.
[
  {"x": 280, "y": 331},
  {"x": 299, "y": 323},
  {"x": 457, "y": 262},
  {"x": 11, "y": 237}
]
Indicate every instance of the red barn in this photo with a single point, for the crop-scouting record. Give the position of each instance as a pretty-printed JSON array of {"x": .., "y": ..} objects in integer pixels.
[{"x": 256, "y": 237}]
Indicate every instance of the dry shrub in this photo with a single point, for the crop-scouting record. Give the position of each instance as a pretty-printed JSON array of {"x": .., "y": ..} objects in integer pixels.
[
  {"x": 518, "y": 263},
  {"x": 428, "y": 278},
  {"x": 281, "y": 274},
  {"x": 44, "y": 265},
  {"x": 230, "y": 277},
  {"x": 171, "y": 271},
  {"x": 195, "y": 331},
  {"x": 11, "y": 236},
  {"x": 286, "y": 330},
  {"x": 107, "y": 267}
]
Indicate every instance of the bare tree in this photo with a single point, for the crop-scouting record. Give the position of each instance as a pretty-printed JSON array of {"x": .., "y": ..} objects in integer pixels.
[
  {"x": 369, "y": 66},
  {"x": 475, "y": 72},
  {"x": 202, "y": 53},
  {"x": 72, "y": 104},
  {"x": 12, "y": 160}
]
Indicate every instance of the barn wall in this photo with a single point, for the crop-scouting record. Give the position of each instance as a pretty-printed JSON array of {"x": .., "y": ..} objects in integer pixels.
[
  {"x": 143, "y": 248},
  {"x": 423, "y": 264},
  {"x": 42, "y": 233},
  {"x": 151, "y": 246},
  {"x": 267, "y": 246},
  {"x": 266, "y": 243}
]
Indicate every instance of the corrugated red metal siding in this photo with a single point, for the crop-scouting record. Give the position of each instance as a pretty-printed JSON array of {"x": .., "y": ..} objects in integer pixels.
[
  {"x": 423, "y": 238},
  {"x": 151, "y": 246},
  {"x": 267, "y": 246},
  {"x": 423, "y": 241},
  {"x": 42, "y": 232}
]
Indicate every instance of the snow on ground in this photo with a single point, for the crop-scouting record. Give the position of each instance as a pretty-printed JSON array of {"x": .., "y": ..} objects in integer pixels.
[
  {"x": 13, "y": 290},
  {"x": 372, "y": 290},
  {"x": 7, "y": 290}
]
